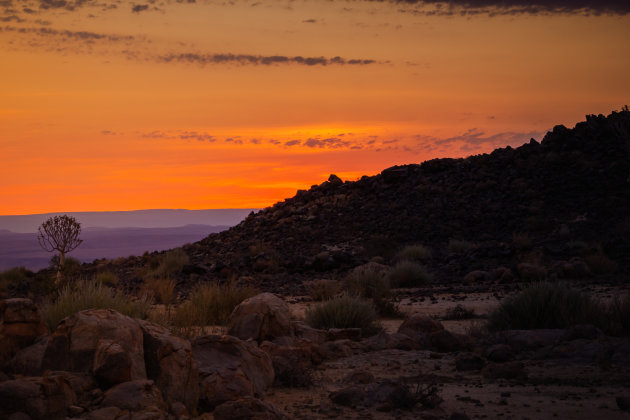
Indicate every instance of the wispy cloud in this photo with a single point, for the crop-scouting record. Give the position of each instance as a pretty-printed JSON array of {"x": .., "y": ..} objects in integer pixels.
[
  {"x": 514, "y": 7},
  {"x": 265, "y": 60}
]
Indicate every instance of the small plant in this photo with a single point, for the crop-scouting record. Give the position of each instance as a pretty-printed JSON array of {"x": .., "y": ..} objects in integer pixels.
[
  {"x": 345, "y": 311},
  {"x": 323, "y": 289},
  {"x": 107, "y": 278},
  {"x": 369, "y": 284},
  {"x": 409, "y": 274},
  {"x": 458, "y": 313},
  {"x": 92, "y": 295},
  {"x": 545, "y": 305},
  {"x": 162, "y": 290},
  {"x": 211, "y": 304},
  {"x": 414, "y": 253},
  {"x": 14, "y": 278},
  {"x": 460, "y": 246},
  {"x": 166, "y": 264}
]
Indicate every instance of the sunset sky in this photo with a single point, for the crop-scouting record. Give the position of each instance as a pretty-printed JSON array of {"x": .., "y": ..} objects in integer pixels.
[{"x": 122, "y": 105}]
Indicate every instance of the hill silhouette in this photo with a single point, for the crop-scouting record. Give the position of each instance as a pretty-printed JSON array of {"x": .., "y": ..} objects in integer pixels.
[{"x": 565, "y": 198}]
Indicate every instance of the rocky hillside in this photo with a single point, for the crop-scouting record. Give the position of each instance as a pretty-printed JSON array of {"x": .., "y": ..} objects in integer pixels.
[{"x": 565, "y": 198}]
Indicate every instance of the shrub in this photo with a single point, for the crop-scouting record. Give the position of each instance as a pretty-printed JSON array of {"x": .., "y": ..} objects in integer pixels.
[
  {"x": 545, "y": 305},
  {"x": 345, "y": 311},
  {"x": 107, "y": 278},
  {"x": 368, "y": 284},
  {"x": 211, "y": 304},
  {"x": 92, "y": 295},
  {"x": 323, "y": 289},
  {"x": 161, "y": 289},
  {"x": 414, "y": 253},
  {"x": 374, "y": 285},
  {"x": 166, "y": 264},
  {"x": 460, "y": 246},
  {"x": 15, "y": 277},
  {"x": 459, "y": 312},
  {"x": 409, "y": 274}
]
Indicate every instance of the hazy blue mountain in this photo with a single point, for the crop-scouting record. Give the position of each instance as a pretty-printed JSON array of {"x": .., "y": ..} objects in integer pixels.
[
  {"x": 22, "y": 249},
  {"x": 157, "y": 218}
]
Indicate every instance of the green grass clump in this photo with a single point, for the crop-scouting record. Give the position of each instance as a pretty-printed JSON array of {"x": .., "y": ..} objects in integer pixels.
[
  {"x": 369, "y": 284},
  {"x": 14, "y": 278},
  {"x": 92, "y": 295},
  {"x": 107, "y": 278},
  {"x": 414, "y": 253},
  {"x": 546, "y": 305},
  {"x": 345, "y": 311},
  {"x": 211, "y": 304},
  {"x": 164, "y": 265},
  {"x": 409, "y": 274},
  {"x": 323, "y": 289}
]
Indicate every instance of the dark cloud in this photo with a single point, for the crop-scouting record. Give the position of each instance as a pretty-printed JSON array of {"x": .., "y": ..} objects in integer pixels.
[
  {"x": 292, "y": 143},
  {"x": 309, "y": 21},
  {"x": 244, "y": 59},
  {"x": 78, "y": 35},
  {"x": 179, "y": 135},
  {"x": 137, "y": 8},
  {"x": 511, "y": 7},
  {"x": 328, "y": 143}
]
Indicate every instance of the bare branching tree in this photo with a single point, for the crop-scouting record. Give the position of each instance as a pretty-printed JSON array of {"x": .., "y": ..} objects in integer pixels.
[{"x": 61, "y": 234}]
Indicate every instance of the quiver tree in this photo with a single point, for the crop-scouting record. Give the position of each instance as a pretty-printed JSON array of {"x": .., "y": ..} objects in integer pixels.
[{"x": 61, "y": 234}]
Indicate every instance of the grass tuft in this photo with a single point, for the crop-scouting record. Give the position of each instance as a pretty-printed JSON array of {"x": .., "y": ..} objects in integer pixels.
[
  {"x": 345, "y": 311},
  {"x": 546, "y": 305},
  {"x": 409, "y": 274},
  {"x": 211, "y": 304},
  {"x": 92, "y": 295},
  {"x": 414, "y": 253}
]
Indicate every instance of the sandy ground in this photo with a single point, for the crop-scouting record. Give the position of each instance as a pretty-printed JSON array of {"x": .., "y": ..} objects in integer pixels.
[{"x": 553, "y": 390}]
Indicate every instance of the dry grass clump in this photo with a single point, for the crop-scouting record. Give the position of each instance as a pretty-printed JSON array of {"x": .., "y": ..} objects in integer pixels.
[
  {"x": 323, "y": 289},
  {"x": 414, "y": 253},
  {"x": 409, "y": 274},
  {"x": 164, "y": 265},
  {"x": 373, "y": 285},
  {"x": 161, "y": 289},
  {"x": 14, "y": 277},
  {"x": 345, "y": 311},
  {"x": 618, "y": 314},
  {"x": 107, "y": 278},
  {"x": 546, "y": 305},
  {"x": 92, "y": 295},
  {"x": 211, "y": 304},
  {"x": 458, "y": 313}
]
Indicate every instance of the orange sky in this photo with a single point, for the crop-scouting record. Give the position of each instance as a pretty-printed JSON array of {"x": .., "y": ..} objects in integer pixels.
[{"x": 223, "y": 105}]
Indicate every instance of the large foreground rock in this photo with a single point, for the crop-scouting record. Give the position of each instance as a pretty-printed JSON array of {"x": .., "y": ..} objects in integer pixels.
[
  {"x": 170, "y": 363},
  {"x": 262, "y": 317},
  {"x": 47, "y": 397},
  {"x": 98, "y": 341},
  {"x": 230, "y": 369},
  {"x": 20, "y": 324}
]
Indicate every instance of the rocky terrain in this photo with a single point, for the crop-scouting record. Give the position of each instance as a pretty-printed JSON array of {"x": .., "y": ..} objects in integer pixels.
[{"x": 568, "y": 197}]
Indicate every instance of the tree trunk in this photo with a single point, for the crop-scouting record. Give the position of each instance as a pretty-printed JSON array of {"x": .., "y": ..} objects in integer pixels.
[{"x": 62, "y": 260}]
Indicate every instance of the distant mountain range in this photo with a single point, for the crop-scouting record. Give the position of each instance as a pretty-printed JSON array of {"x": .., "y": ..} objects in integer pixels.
[
  {"x": 113, "y": 234},
  {"x": 156, "y": 218},
  {"x": 22, "y": 249}
]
